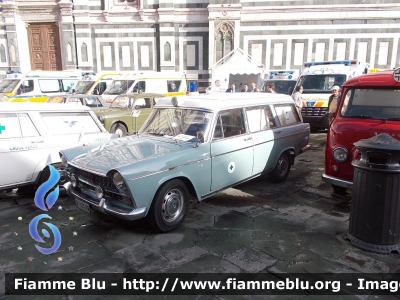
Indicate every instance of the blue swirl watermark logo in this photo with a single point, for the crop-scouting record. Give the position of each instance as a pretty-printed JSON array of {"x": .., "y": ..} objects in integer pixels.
[{"x": 51, "y": 199}]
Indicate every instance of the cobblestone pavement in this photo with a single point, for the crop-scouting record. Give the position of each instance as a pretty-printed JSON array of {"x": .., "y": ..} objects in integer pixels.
[{"x": 292, "y": 227}]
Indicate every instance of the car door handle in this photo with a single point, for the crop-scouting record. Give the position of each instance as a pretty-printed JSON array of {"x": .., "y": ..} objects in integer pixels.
[
  {"x": 248, "y": 139},
  {"x": 277, "y": 131}
]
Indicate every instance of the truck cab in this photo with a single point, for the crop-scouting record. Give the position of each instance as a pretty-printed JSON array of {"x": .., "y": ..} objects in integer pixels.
[
  {"x": 369, "y": 105},
  {"x": 317, "y": 79}
]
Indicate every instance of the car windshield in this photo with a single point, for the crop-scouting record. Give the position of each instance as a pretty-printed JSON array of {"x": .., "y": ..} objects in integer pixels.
[
  {"x": 281, "y": 86},
  {"x": 8, "y": 85},
  {"x": 118, "y": 87},
  {"x": 321, "y": 83},
  {"x": 371, "y": 103},
  {"x": 82, "y": 87},
  {"x": 178, "y": 123},
  {"x": 122, "y": 102}
]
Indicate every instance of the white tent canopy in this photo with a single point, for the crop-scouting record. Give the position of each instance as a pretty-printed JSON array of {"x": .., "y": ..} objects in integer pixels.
[{"x": 236, "y": 67}]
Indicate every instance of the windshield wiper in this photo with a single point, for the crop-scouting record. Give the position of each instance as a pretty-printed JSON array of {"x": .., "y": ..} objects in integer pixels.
[
  {"x": 393, "y": 119},
  {"x": 153, "y": 133}
]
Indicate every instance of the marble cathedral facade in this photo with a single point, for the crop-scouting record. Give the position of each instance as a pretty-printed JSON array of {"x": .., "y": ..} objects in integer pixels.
[{"x": 192, "y": 35}]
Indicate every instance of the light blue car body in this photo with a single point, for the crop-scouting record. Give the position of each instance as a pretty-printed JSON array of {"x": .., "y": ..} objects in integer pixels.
[{"x": 147, "y": 162}]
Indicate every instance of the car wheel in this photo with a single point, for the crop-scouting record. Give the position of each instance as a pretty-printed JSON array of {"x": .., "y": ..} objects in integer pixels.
[
  {"x": 119, "y": 129},
  {"x": 170, "y": 206},
  {"x": 282, "y": 168}
]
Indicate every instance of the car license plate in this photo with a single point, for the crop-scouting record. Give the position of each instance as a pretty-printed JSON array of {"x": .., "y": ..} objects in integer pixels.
[{"x": 82, "y": 205}]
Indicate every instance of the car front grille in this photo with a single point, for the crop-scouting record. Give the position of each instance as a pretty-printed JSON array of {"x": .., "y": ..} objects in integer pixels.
[
  {"x": 96, "y": 179},
  {"x": 87, "y": 182},
  {"x": 314, "y": 111}
]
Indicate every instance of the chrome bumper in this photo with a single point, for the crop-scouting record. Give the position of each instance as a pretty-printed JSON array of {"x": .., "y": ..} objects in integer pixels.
[
  {"x": 109, "y": 208},
  {"x": 337, "y": 181}
]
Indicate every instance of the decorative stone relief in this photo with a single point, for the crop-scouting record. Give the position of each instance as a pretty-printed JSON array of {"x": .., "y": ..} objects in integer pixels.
[
  {"x": 66, "y": 11},
  {"x": 224, "y": 26},
  {"x": 39, "y": 15},
  {"x": 9, "y": 12}
]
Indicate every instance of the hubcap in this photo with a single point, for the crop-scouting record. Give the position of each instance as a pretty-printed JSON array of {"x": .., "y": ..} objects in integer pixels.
[
  {"x": 172, "y": 205},
  {"x": 119, "y": 131},
  {"x": 282, "y": 165}
]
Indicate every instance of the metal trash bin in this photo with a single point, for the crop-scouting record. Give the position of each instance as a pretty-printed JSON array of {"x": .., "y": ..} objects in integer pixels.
[{"x": 375, "y": 209}]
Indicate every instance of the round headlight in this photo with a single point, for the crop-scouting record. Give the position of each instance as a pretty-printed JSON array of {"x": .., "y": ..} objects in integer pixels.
[
  {"x": 64, "y": 161},
  {"x": 101, "y": 118},
  {"x": 118, "y": 180},
  {"x": 73, "y": 180},
  {"x": 99, "y": 192},
  {"x": 340, "y": 154}
]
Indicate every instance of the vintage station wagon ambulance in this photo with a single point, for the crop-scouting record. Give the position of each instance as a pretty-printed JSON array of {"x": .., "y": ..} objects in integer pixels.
[
  {"x": 369, "y": 105},
  {"x": 32, "y": 134},
  {"x": 198, "y": 145}
]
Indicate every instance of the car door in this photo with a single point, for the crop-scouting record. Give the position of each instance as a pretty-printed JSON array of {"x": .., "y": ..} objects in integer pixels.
[
  {"x": 22, "y": 147},
  {"x": 142, "y": 109},
  {"x": 287, "y": 134},
  {"x": 261, "y": 124},
  {"x": 231, "y": 150}
]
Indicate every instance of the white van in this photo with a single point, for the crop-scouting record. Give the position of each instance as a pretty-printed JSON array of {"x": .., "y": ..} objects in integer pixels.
[
  {"x": 93, "y": 83},
  {"x": 35, "y": 86},
  {"x": 167, "y": 83},
  {"x": 32, "y": 134},
  {"x": 283, "y": 81},
  {"x": 317, "y": 80}
]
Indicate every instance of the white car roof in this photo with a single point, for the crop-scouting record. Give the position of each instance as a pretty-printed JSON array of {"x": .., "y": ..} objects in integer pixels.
[
  {"x": 32, "y": 106},
  {"x": 220, "y": 100}
]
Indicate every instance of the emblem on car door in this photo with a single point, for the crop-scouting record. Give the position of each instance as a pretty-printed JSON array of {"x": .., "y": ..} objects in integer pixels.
[
  {"x": 70, "y": 123},
  {"x": 231, "y": 167}
]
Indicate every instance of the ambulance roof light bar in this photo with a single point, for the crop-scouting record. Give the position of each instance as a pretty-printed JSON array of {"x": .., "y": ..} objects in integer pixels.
[
  {"x": 10, "y": 74},
  {"x": 283, "y": 72},
  {"x": 333, "y": 62}
]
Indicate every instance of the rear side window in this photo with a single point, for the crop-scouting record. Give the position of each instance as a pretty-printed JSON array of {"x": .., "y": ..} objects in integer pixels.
[
  {"x": 92, "y": 102},
  {"x": 60, "y": 123},
  {"x": 49, "y": 85},
  {"x": 287, "y": 114},
  {"x": 173, "y": 85},
  {"x": 9, "y": 126},
  {"x": 67, "y": 84},
  {"x": 27, "y": 127},
  {"x": 259, "y": 118},
  {"x": 143, "y": 103}
]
